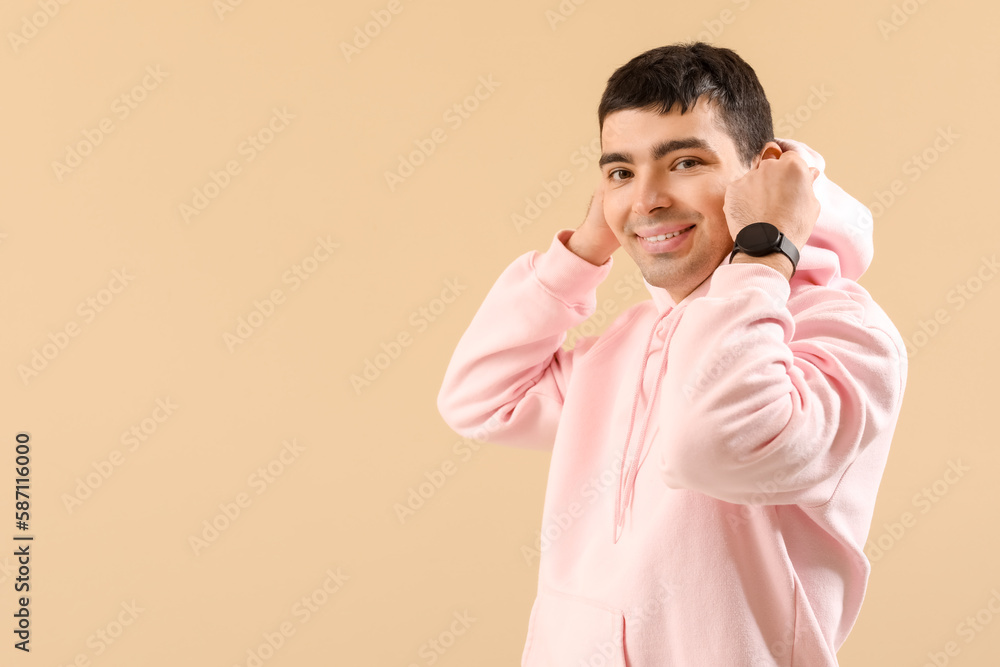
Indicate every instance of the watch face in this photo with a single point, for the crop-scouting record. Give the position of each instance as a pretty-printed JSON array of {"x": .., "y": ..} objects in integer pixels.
[{"x": 758, "y": 237}]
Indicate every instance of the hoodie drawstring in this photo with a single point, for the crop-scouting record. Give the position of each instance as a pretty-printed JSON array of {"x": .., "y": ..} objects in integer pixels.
[{"x": 626, "y": 480}]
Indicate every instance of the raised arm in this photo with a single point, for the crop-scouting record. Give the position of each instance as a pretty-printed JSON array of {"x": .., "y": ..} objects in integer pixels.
[
  {"x": 769, "y": 408},
  {"x": 508, "y": 376}
]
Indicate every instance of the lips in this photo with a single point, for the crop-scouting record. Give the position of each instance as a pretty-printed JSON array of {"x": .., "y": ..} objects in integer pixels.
[
  {"x": 673, "y": 237},
  {"x": 668, "y": 232}
]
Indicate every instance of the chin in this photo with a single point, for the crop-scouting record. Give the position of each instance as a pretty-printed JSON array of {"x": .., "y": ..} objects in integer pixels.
[
  {"x": 656, "y": 278},
  {"x": 676, "y": 278}
]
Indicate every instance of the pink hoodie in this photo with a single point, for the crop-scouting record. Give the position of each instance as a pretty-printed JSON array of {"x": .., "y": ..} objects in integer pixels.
[{"x": 715, "y": 462}]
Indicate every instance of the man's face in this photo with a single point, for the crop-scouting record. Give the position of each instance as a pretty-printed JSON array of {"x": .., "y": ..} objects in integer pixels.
[{"x": 665, "y": 173}]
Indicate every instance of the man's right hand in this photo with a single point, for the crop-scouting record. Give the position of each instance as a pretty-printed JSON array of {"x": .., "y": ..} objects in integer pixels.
[{"x": 594, "y": 240}]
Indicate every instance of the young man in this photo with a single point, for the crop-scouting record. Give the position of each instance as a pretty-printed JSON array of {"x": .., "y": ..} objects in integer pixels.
[{"x": 716, "y": 452}]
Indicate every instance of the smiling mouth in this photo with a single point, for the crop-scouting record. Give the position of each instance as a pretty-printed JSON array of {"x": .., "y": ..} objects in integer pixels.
[{"x": 664, "y": 237}]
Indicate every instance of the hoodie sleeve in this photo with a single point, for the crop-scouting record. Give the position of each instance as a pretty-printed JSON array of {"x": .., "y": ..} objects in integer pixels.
[
  {"x": 771, "y": 408},
  {"x": 508, "y": 375}
]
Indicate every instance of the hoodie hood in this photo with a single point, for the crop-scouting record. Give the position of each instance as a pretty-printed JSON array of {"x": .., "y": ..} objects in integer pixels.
[{"x": 841, "y": 242}]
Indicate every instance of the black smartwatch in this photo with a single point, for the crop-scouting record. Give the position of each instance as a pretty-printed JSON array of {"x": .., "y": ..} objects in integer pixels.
[{"x": 762, "y": 238}]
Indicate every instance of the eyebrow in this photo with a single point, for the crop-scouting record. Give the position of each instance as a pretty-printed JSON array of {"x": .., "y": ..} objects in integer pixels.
[{"x": 660, "y": 150}]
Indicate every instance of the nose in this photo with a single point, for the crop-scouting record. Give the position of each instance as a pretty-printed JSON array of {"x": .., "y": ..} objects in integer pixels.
[{"x": 649, "y": 193}]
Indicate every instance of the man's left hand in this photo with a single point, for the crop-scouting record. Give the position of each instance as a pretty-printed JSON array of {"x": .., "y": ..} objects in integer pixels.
[{"x": 779, "y": 191}]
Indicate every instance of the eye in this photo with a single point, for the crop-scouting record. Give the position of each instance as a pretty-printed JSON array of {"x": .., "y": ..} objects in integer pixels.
[
  {"x": 611, "y": 174},
  {"x": 693, "y": 161}
]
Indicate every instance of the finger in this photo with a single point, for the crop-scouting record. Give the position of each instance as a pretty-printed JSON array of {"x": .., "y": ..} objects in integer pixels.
[{"x": 791, "y": 155}]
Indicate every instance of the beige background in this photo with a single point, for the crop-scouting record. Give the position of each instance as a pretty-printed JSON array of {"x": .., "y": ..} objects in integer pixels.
[{"x": 332, "y": 503}]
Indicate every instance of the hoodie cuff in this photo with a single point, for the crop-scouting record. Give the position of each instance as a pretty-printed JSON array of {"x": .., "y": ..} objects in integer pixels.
[
  {"x": 730, "y": 279},
  {"x": 567, "y": 276}
]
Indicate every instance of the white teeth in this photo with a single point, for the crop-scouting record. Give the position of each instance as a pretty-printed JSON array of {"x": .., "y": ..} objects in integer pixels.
[{"x": 664, "y": 237}]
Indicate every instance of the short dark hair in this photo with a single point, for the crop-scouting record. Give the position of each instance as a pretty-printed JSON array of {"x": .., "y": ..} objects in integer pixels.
[{"x": 681, "y": 74}]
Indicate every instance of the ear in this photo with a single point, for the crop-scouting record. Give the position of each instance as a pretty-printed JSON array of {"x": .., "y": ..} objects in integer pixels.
[{"x": 771, "y": 151}]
